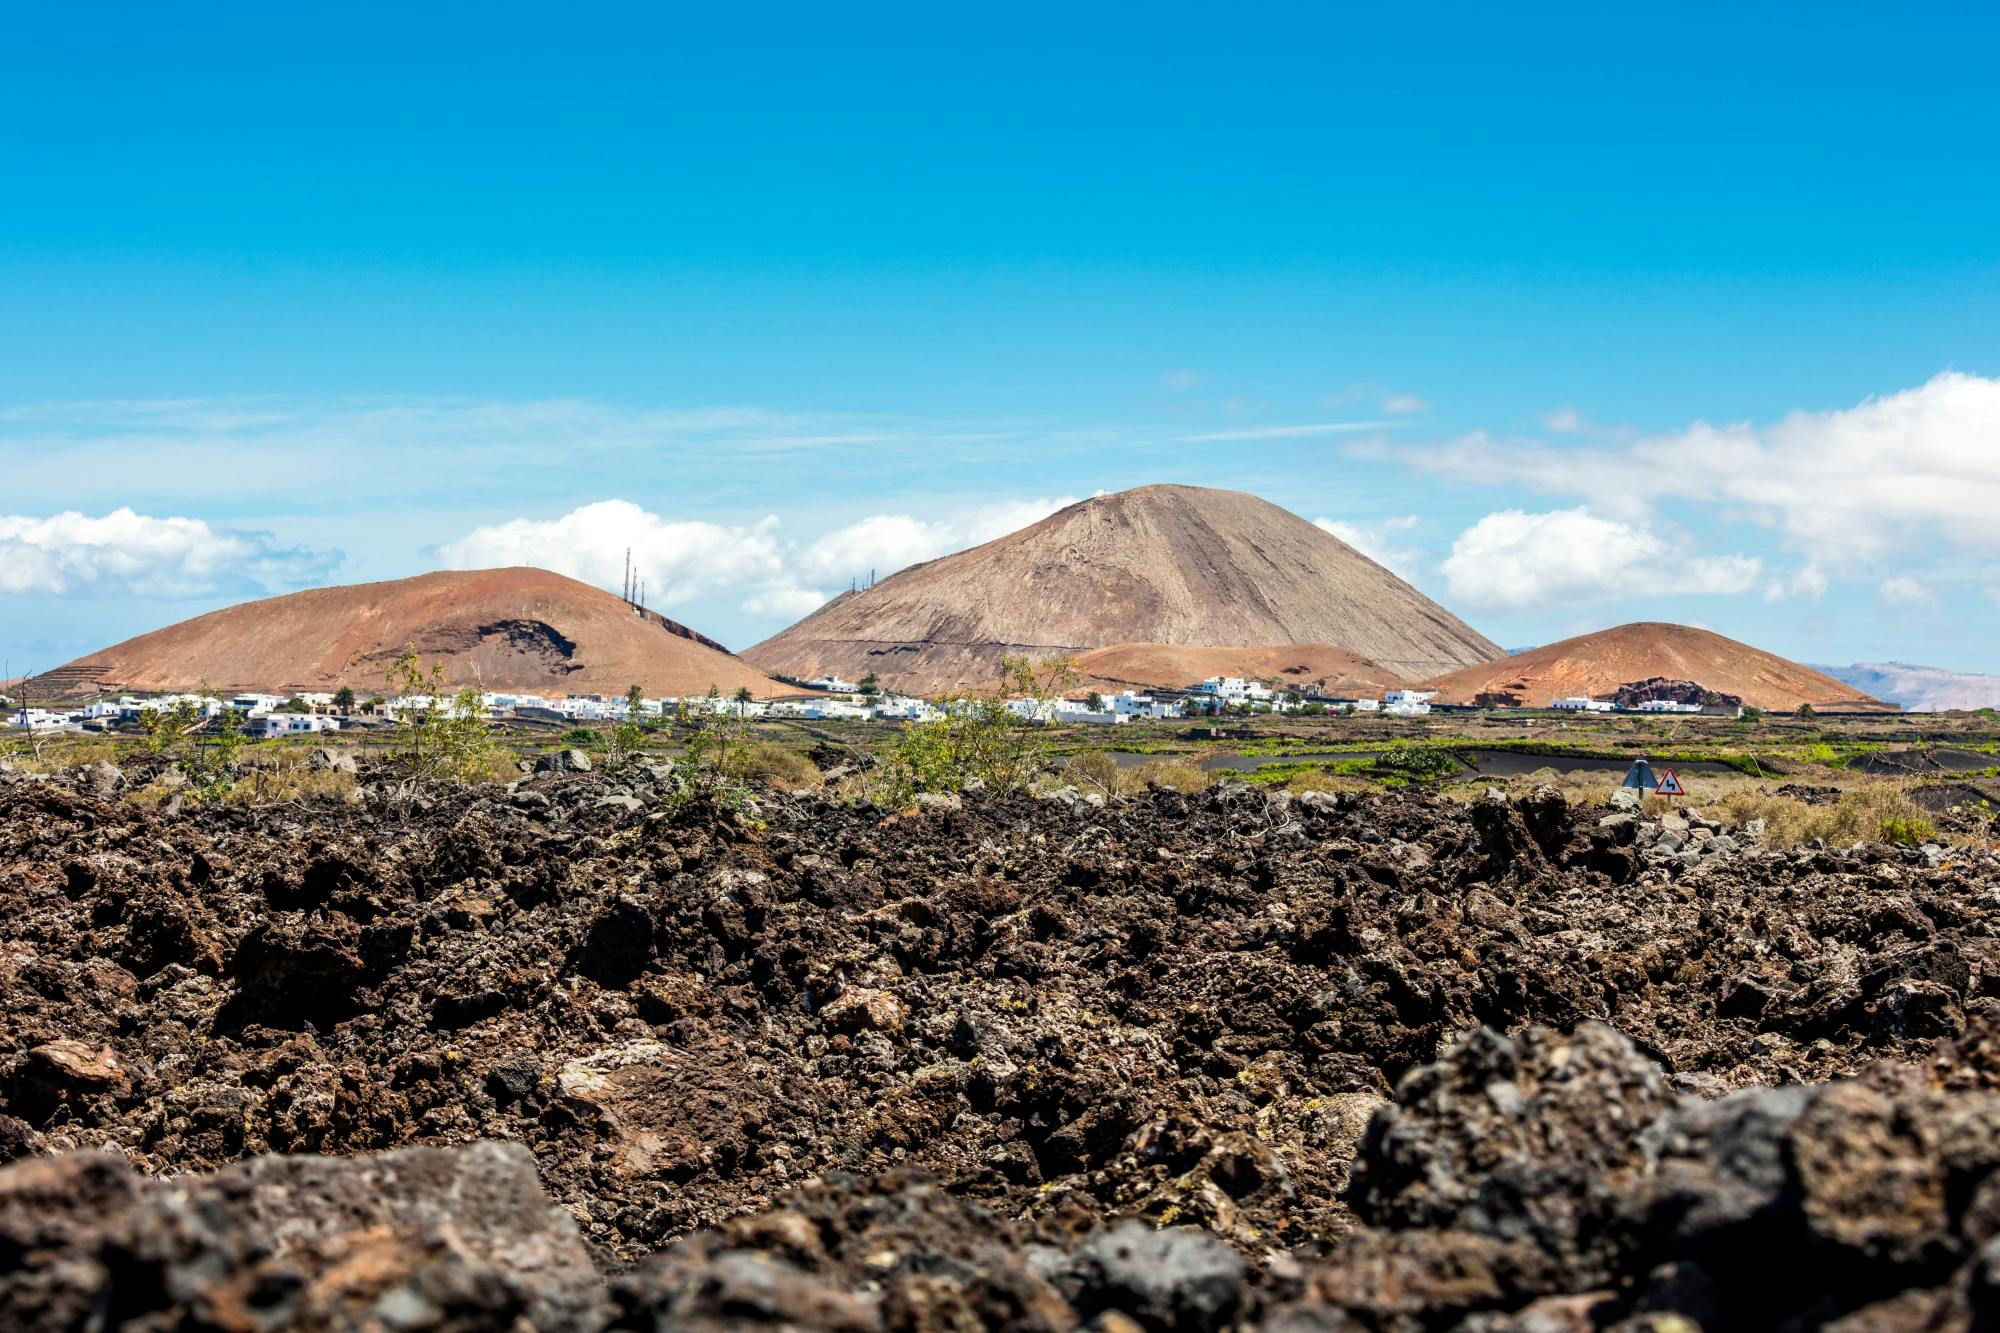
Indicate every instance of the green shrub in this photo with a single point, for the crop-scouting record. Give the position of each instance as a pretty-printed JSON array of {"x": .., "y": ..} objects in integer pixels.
[
  {"x": 441, "y": 736},
  {"x": 978, "y": 738},
  {"x": 1907, "y": 830},
  {"x": 1421, "y": 762}
]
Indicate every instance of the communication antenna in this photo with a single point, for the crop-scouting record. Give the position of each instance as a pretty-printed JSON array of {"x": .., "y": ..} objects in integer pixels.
[{"x": 627, "y": 594}]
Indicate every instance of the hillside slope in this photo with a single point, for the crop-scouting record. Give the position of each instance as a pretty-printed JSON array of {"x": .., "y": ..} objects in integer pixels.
[
  {"x": 1171, "y": 666},
  {"x": 1179, "y": 565},
  {"x": 1597, "y": 664},
  {"x": 504, "y": 629}
]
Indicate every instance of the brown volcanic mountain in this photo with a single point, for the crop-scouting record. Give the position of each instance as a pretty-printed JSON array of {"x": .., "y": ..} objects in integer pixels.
[
  {"x": 1166, "y": 666},
  {"x": 1597, "y": 664},
  {"x": 503, "y": 629},
  {"x": 1178, "y": 565}
]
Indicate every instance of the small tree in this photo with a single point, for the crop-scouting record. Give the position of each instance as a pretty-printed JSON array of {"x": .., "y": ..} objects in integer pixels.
[
  {"x": 206, "y": 754},
  {"x": 869, "y": 685},
  {"x": 979, "y": 736},
  {"x": 343, "y": 700},
  {"x": 1095, "y": 703},
  {"x": 442, "y": 737},
  {"x": 1807, "y": 712},
  {"x": 742, "y": 700},
  {"x": 712, "y": 756},
  {"x": 625, "y": 738}
]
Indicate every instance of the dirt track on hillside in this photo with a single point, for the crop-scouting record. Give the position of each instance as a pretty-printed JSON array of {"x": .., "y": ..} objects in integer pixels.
[{"x": 849, "y": 1069}]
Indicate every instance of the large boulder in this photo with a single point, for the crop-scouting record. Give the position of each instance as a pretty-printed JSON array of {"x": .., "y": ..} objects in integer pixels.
[
  {"x": 1521, "y": 1139},
  {"x": 422, "y": 1238}
]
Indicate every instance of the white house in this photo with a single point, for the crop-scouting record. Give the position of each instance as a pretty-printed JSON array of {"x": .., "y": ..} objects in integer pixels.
[
  {"x": 1230, "y": 689},
  {"x": 1129, "y": 704},
  {"x": 1665, "y": 706},
  {"x": 38, "y": 719},
  {"x": 265, "y": 726},
  {"x": 1582, "y": 705},
  {"x": 900, "y": 708},
  {"x": 817, "y": 710},
  {"x": 833, "y": 685}
]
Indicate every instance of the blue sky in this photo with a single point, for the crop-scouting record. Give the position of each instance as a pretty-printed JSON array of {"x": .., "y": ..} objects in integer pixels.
[{"x": 1572, "y": 316}]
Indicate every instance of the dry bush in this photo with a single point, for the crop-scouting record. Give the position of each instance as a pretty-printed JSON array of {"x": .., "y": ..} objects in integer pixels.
[
  {"x": 152, "y": 795},
  {"x": 775, "y": 763},
  {"x": 1093, "y": 770},
  {"x": 497, "y": 765},
  {"x": 288, "y": 775},
  {"x": 1175, "y": 773}
]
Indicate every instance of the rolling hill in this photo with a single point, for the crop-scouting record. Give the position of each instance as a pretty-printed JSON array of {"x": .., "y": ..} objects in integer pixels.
[
  {"x": 1170, "y": 565},
  {"x": 503, "y": 629},
  {"x": 1595, "y": 665}
]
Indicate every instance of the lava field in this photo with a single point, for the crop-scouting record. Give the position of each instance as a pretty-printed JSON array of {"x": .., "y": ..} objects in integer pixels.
[{"x": 561, "y": 1056}]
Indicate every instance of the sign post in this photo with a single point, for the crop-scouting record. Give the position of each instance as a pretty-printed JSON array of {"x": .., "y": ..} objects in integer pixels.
[{"x": 1670, "y": 785}]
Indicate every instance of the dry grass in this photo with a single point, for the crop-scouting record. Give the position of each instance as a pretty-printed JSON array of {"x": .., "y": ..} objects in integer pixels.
[
  {"x": 1320, "y": 780},
  {"x": 1174, "y": 773},
  {"x": 1864, "y": 813},
  {"x": 286, "y": 775},
  {"x": 61, "y": 753}
]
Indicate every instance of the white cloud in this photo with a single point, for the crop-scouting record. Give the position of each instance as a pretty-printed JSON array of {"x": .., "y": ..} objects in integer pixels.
[
  {"x": 1902, "y": 590},
  {"x": 1518, "y": 559},
  {"x": 1287, "y": 432},
  {"x": 1377, "y": 541},
  {"x": 1183, "y": 378},
  {"x": 885, "y": 543},
  {"x": 1404, "y": 403},
  {"x": 678, "y": 560},
  {"x": 1807, "y": 582},
  {"x": 1565, "y": 420},
  {"x": 681, "y": 560},
  {"x": 1844, "y": 488},
  {"x": 149, "y": 557}
]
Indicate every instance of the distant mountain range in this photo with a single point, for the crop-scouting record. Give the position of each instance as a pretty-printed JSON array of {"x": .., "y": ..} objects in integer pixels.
[{"x": 1920, "y": 689}]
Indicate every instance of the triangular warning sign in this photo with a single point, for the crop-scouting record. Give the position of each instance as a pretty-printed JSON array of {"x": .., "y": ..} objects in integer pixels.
[{"x": 1670, "y": 785}]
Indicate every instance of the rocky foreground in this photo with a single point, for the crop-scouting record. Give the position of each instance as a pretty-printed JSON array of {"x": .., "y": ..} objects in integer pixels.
[{"x": 562, "y": 1057}]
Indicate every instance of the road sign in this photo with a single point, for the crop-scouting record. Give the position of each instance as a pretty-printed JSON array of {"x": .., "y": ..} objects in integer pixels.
[
  {"x": 1670, "y": 785},
  {"x": 1640, "y": 775}
]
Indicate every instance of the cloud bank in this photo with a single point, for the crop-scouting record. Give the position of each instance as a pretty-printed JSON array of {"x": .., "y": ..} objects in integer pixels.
[
  {"x": 1845, "y": 489},
  {"x": 128, "y": 552},
  {"x": 1514, "y": 560}
]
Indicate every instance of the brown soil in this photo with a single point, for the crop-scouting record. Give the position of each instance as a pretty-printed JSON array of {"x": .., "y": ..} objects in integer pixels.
[
  {"x": 503, "y": 629},
  {"x": 950, "y": 1069},
  {"x": 1596, "y": 665},
  {"x": 1177, "y": 565}
]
